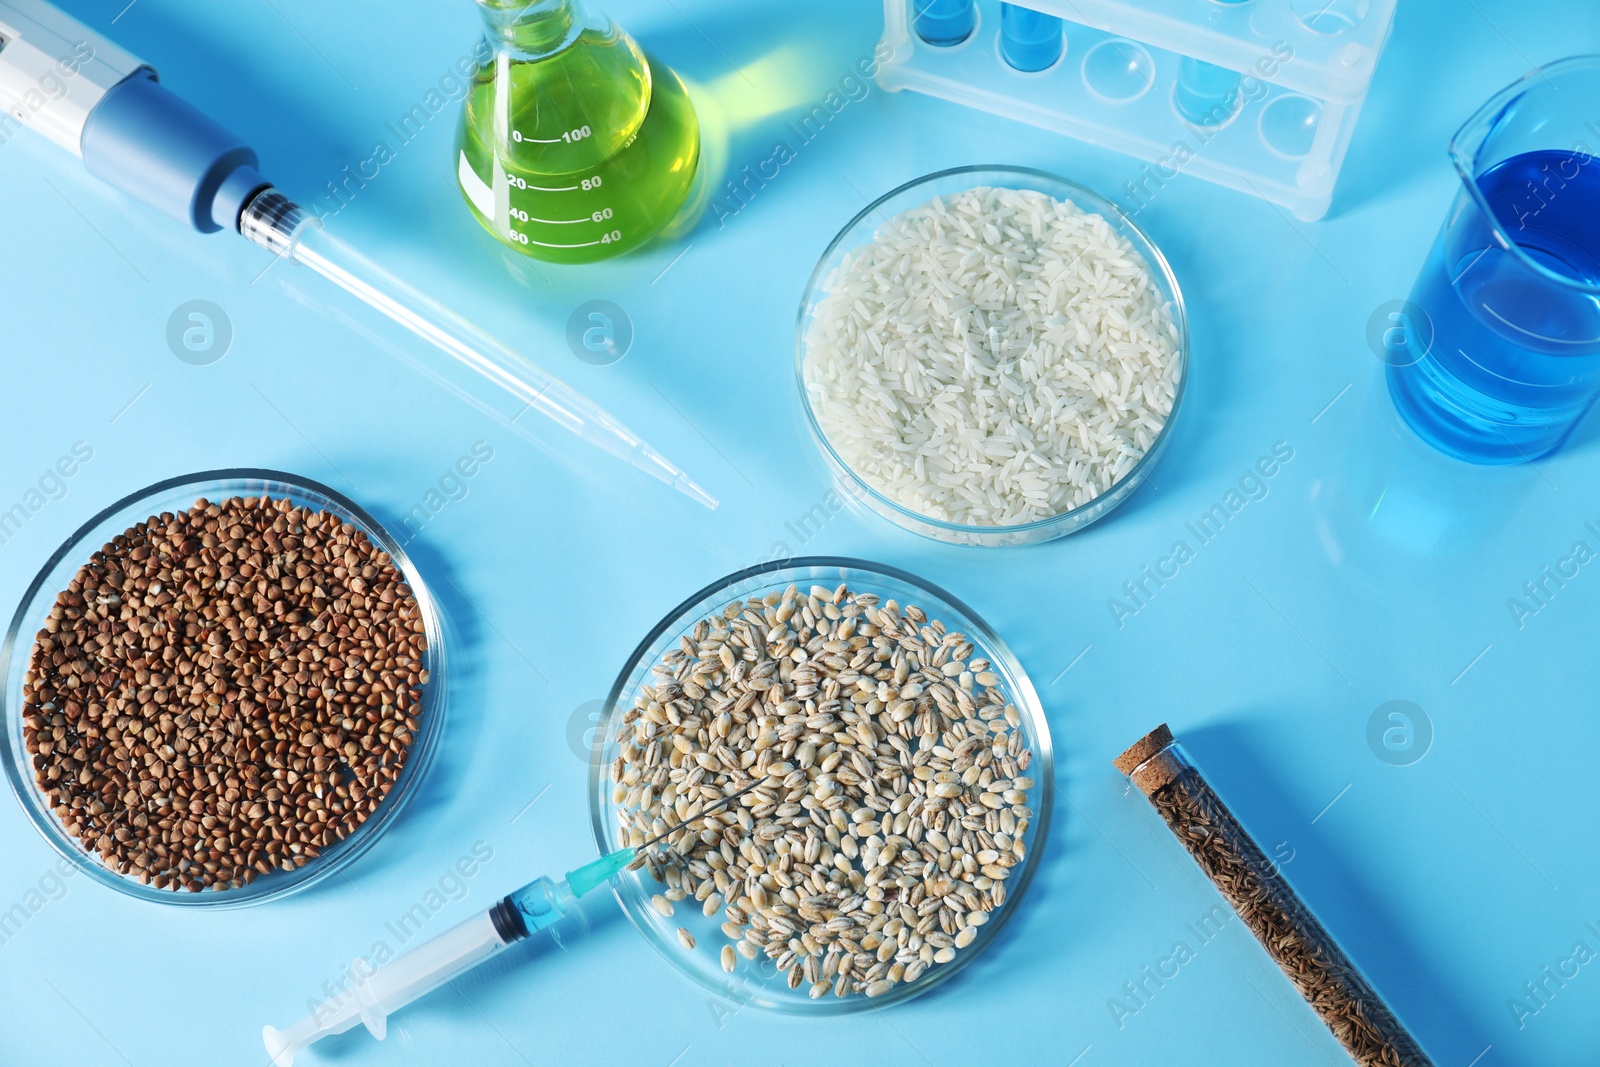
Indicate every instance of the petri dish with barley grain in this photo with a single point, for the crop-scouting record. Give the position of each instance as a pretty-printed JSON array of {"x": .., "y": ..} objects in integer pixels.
[{"x": 902, "y": 773}]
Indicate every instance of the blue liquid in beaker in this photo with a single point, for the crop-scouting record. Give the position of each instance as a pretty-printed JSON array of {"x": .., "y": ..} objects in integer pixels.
[{"x": 1513, "y": 361}]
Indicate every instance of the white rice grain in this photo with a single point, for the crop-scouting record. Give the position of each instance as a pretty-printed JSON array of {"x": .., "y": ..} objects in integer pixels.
[{"x": 992, "y": 358}]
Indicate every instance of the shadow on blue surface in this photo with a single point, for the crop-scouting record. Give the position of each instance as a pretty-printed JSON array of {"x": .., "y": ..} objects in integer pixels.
[
  {"x": 762, "y": 105},
  {"x": 464, "y": 714},
  {"x": 1394, "y": 507},
  {"x": 1214, "y": 369},
  {"x": 471, "y": 998},
  {"x": 344, "y": 312},
  {"x": 1412, "y": 109},
  {"x": 1424, "y": 994}
]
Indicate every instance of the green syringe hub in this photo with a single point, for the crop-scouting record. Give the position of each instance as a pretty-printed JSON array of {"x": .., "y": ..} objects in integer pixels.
[{"x": 593, "y": 875}]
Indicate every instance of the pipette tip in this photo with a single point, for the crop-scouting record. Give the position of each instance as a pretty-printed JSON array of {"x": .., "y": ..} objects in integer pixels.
[
  {"x": 664, "y": 470},
  {"x": 689, "y": 488}
]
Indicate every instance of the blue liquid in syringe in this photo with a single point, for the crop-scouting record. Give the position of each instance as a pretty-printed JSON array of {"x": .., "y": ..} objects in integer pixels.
[{"x": 1514, "y": 360}]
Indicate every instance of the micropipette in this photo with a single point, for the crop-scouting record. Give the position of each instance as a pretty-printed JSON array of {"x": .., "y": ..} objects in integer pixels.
[
  {"x": 379, "y": 991},
  {"x": 105, "y": 106}
]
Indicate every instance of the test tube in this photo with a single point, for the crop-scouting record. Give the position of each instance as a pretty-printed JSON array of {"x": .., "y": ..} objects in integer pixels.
[
  {"x": 1206, "y": 94},
  {"x": 1255, "y": 888},
  {"x": 1029, "y": 40},
  {"x": 944, "y": 22}
]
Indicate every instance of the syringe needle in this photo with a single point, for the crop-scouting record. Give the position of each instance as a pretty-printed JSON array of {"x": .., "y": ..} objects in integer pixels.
[
  {"x": 703, "y": 813},
  {"x": 276, "y": 223}
]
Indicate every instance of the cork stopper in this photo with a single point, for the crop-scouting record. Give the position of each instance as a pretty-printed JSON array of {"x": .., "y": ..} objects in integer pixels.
[
  {"x": 1152, "y": 761},
  {"x": 1143, "y": 749}
]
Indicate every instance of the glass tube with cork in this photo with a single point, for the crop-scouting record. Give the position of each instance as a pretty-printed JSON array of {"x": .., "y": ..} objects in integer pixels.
[{"x": 1256, "y": 890}]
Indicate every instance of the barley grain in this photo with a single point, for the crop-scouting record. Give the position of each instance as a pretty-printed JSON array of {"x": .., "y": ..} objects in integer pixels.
[{"x": 872, "y": 838}]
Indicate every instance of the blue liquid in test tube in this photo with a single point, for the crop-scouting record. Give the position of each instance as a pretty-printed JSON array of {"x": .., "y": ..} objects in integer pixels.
[
  {"x": 1206, "y": 94},
  {"x": 1029, "y": 40},
  {"x": 944, "y": 22}
]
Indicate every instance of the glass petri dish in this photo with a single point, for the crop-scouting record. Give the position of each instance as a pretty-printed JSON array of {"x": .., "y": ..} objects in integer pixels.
[
  {"x": 855, "y": 490},
  {"x": 174, "y": 495},
  {"x": 759, "y": 982}
]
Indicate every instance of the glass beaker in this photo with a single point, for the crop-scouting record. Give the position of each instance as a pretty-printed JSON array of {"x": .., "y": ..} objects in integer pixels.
[
  {"x": 1497, "y": 355},
  {"x": 575, "y": 145}
]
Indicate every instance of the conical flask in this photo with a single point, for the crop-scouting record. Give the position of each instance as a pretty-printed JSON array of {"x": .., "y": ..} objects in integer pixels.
[{"x": 576, "y": 146}]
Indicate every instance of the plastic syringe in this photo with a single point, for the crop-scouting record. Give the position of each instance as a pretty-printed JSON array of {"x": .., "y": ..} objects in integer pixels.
[
  {"x": 107, "y": 107},
  {"x": 538, "y": 908}
]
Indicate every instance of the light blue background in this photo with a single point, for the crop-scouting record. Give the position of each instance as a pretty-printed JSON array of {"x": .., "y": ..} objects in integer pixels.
[{"x": 1373, "y": 571}]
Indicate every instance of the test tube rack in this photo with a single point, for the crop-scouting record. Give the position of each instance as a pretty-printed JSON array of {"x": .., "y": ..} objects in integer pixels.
[{"x": 1141, "y": 77}]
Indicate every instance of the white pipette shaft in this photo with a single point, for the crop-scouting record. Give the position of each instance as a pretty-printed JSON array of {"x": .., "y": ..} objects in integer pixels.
[{"x": 274, "y": 222}]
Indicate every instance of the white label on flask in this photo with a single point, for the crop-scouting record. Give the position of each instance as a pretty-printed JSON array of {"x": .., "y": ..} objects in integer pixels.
[{"x": 476, "y": 188}]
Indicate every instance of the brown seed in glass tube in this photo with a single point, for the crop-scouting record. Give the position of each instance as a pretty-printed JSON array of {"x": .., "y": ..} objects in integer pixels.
[{"x": 1329, "y": 980}]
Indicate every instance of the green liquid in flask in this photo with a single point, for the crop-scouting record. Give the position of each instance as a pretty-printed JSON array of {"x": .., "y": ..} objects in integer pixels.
[{"x": 576, "y": 146}]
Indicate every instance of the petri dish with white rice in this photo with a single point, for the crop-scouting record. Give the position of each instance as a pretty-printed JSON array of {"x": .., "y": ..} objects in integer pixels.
[{"x": 991, "y": 356}]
